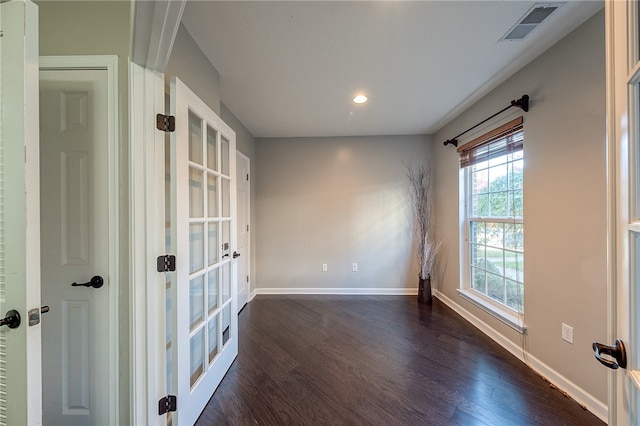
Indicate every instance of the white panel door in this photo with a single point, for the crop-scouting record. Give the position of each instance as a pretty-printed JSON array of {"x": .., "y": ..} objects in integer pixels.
[
  {"x": 204, "y": 239},
  {"x": 243, "y": 229},
  {"x": 20, "y": 367},
  {"x": 75, "y": 246}
]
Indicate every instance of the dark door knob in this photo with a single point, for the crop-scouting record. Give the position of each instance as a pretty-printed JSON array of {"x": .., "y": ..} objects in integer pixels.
[
  {"x": 96, "y": 282},
  {"x": 236, "y": 255},
  {"x": 617, "y": 351},
  {"x": 11, "y": 319}
]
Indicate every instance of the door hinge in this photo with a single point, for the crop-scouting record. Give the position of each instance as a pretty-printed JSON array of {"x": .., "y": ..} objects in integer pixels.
[
  {"x": 247, "y": 228},
  {"x": 247, "y": 177},
  {"x": 166, "y": 404},
  {"x": 166, "y": 123},
  {"x": 166, "y": 263},
  {"x": 247, "y": 278}
]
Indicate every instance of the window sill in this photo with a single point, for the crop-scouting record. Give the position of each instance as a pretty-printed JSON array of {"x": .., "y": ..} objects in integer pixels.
[{"x": 512, "y": 320}]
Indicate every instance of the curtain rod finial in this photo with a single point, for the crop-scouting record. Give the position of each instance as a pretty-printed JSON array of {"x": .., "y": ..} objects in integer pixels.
[
  {"x": 522, "y": 103},
  {"x": 453, "y": 142}
]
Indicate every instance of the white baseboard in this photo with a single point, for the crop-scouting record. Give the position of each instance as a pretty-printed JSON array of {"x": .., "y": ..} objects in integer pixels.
[
  {"x": 252, "y": 294},
  {"x": 598, "y": 408},
  {"x": 344, "y": 291}
]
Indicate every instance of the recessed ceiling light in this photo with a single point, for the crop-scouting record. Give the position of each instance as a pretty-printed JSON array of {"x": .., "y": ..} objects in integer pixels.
[{"x": 360, "y": 99}]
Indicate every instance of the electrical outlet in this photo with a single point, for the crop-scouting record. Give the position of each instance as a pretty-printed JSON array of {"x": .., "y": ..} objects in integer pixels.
[
  {"x": 567, "y": 333},
  {"x": 325, "y": 267},
  {"x": 354, "y": 267}
]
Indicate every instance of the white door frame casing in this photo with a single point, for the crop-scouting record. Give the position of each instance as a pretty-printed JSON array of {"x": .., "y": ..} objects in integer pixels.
[
  {"x": 612, "y": 150},
  {"x": 155, "y": 25},
  {"x": 109, "y": 63},
  {"x": 248, "y": 247},
  {"x": 146, "y": 242}
]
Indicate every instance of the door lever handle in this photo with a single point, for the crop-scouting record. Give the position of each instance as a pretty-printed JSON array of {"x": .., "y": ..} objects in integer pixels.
[
  {"x": 236, "y": 255},
  {"x": 96, "y": 282},
  {"x": 617, "y": 351},
  {"x": 11, "y": 319}
]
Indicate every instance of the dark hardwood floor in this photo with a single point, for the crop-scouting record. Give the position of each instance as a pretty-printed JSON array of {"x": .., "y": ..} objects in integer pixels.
[{"x": 377, "y": 360}]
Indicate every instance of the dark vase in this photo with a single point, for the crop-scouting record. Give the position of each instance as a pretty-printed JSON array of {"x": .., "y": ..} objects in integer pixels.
[{"x": 424, "y": 290}]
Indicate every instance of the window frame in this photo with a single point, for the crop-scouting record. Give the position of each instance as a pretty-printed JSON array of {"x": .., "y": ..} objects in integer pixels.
[{"x": 502, "y": 312}]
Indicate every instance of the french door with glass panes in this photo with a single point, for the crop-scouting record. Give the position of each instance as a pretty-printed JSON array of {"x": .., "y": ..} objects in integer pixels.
[{"x": 203, "y": 237}]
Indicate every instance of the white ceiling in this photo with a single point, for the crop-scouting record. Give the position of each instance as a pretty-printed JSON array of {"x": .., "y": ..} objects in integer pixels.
[{"x": 291, "y": 68}]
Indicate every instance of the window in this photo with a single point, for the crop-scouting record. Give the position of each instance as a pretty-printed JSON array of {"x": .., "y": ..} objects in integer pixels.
[{"x": 493, "y": 269}]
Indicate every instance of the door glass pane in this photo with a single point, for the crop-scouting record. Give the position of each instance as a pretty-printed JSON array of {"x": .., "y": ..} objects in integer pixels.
[
  {"x": 224, "y": 156},
  {"x": 169, "y": 277},
  {"x": 169, "y": 342},
  {"x": 196, "y": 301},
  {"x": 635, "y": 183},
  {"x": 226, "y": 282},
  {"x": 195, "y": 138},
  {"x": 225, "y": 238},
  {"x": 226, "y": 197},
  {"x": 213, "y": 290},
  {"x": 213, "y": 338},
  {"x": 226, "y": 324},
  {"x": 212, "y": 196},
  {"x": 197, "y": 356},
  {"x": 196, "y": 247},
  {"x": 196, "y": 193},
  {"x": 634, "y": 257},
  {"x": 213, "y": 242},
  {"x": 212, "y": 149}
]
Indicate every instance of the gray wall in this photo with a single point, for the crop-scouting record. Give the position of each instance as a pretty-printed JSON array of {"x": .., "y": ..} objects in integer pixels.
[
  {"x": 335, "y": 201},
  {"x": 189, "y": 64},
  {"x": 564, "y": 205}
]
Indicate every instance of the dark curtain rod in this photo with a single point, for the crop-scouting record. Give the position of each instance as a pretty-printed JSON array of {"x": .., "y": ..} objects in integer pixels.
[{"x": 522, "y": 103}]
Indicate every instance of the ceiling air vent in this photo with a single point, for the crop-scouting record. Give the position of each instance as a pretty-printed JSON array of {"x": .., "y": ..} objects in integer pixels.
[{"x": 533, "y": 18}]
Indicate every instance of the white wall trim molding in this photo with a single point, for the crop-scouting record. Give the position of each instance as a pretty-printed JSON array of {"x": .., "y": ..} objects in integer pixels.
[
  {"x": 582, "y": 397},
  {"x": 110, "y": 64},
  {"x": 344, "y": 291},
  {"x": 252, "y": 294},
  {"x": 146, "y": 242},
  {"x": 155, "y": 25}
]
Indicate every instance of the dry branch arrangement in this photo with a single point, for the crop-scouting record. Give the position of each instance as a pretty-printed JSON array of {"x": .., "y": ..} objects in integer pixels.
[{"x": 426, "y": 246}]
